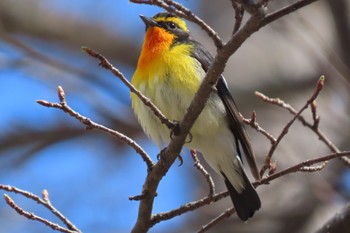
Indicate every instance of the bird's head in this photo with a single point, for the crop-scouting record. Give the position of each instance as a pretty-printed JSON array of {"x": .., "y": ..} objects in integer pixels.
[{"x": 163, "y": 30}]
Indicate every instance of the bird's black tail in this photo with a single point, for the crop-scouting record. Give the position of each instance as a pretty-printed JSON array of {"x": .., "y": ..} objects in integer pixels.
[{"x": 247, "y": 201}]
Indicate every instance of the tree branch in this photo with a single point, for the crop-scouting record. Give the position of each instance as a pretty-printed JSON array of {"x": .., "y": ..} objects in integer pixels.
[
  {"x": 319, "y": 87},
  {"x": 145, "y": 220},
  {"x": 313, "y": 126},
  {"x": 339, "y": 223},
  {"x": 252, "y": 122},
  {"x": 146, "y": 101},
  {"x": 34, "y": 217},
  {"x": 216, "y": 220},
  {"x": 300, "y": 167},
  {"x": 285, "y": 11},
  {"x": 170, "y": 153},
  {"x": 239, "y": 13},
  {"x": 92, "y": 125},
  {"x": 206, "y": 174},
  {"x": 44, "y": 202}
]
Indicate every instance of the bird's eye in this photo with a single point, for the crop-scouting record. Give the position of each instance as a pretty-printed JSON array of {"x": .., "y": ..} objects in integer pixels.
[{"x": 171, "y": 25}]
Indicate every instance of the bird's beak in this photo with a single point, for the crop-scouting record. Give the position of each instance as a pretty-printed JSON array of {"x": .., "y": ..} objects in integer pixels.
[{"x": 149, "y": 22}]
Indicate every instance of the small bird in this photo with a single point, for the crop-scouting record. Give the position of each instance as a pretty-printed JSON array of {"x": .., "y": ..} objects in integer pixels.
[{"x": 169, "y": 72}]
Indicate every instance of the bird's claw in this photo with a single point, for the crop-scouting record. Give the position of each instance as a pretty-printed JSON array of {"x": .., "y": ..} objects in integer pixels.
[
  {"x": 175, "y": 132},
  {"x": 159, "y": 157},
  {"x": 180, "y": 159}
]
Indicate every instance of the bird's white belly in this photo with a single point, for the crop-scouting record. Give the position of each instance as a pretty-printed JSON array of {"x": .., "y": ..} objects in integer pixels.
[{"x": 211, "y": 134}]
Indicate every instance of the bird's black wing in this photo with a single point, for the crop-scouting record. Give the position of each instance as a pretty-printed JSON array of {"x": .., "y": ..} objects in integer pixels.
[{"x": 236, "y": 124}]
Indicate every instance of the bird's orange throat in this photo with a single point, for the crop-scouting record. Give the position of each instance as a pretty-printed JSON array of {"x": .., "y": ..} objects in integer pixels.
[{"x": 157, "y": 41}]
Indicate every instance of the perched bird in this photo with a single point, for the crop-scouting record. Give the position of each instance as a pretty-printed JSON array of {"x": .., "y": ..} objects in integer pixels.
[{"x": 169, "y": 71}]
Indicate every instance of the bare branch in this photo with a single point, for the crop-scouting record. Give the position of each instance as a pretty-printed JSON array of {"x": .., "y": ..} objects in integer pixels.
[
  {"x": 313, "y": 126},
  {"x": 156, "y": 218},
  {"x": 43, "y": 202},
  {"x": 216, "y": 220},
  {"x": 187, "y": 207},
  {"x": 319, "y": 87},
  {"x": 92, "y": 125},
  {"x": 239, "y": 13},
  {"x": 285, "y": 11},
  {"x": 339, "y": 223},
  {"x": 34, "y": 217},
  {"x": 300, "y": 166},
  {"x": 252, "y": 122},
  {"x": 206, "y": 174},
  {"x": 146, "y": 101}
]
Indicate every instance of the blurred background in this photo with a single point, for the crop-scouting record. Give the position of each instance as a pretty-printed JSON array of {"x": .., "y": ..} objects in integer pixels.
[{"x": 90, "y": 175}]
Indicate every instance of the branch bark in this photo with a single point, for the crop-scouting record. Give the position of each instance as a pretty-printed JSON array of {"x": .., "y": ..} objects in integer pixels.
[{"x": 339, "y": 223}]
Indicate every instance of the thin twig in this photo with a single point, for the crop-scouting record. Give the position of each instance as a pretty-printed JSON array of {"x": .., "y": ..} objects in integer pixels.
[
  {"x": 42, "y": 202},
  {"x": 34, "y": 217},
  {"x": 239, "y": 13},
  {"x": 312, "y": 126},
  {"x": 92, "y": 125},
  {"x": 252, "y": 122},
  {"x": 156, "y": 218},
  {"x": 146, "y": 101},
  {"x": 206, "y": 174},
  {"x": 208, "y": 200},
  {"x": 285, "y": 11},
  {"x": 297, "y": 167},
  {"x": 216, "y": 220},
  {"x": 319, "y": 87}
]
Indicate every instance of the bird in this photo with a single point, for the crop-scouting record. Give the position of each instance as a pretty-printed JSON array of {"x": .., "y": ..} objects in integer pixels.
[{"x": 169, "y": 71}]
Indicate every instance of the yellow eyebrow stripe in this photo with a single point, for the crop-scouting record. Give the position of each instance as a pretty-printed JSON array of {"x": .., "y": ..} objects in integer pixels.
[{"x": 176, "y": 20}]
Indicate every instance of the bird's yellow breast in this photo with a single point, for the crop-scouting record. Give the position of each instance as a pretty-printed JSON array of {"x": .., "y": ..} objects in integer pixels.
[
  {"x": 170, "y": 79},
  {"x": 168, "y": 75},
  {"x": 162, "y": 65}
]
